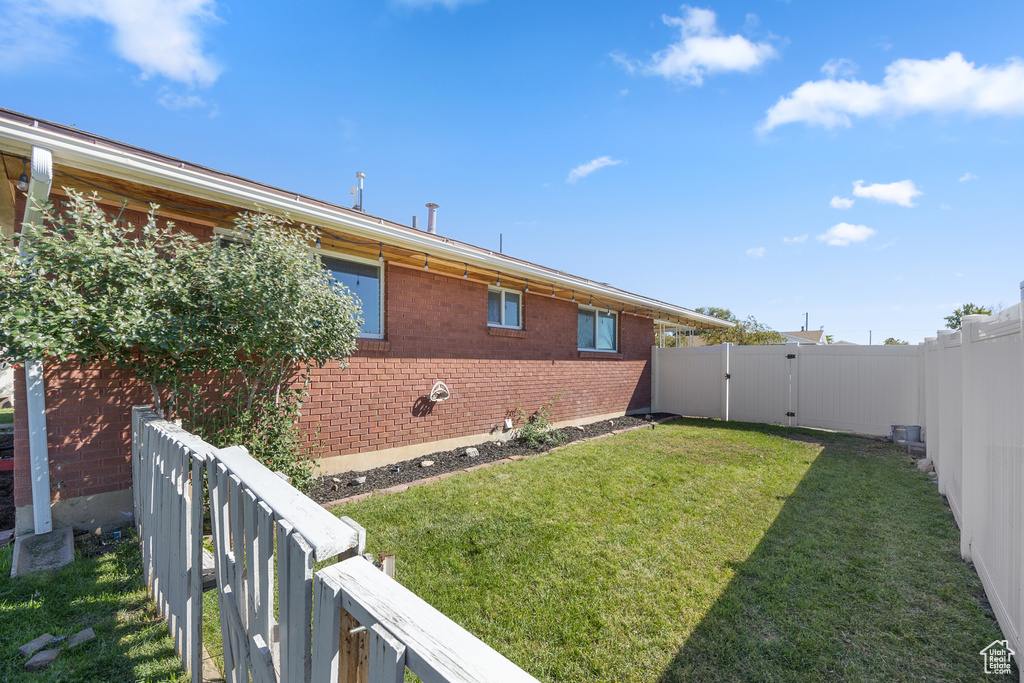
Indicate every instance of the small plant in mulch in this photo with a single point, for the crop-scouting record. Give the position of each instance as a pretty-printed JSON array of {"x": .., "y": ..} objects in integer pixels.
[{"x": 536, "y": 430}]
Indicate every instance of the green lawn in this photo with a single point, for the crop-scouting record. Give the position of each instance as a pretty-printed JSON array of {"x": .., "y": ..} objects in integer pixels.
[
  {"x": 106, "y": 592},
  {"x": 697, "y": 551},
  {"x": 6, "y": 416}
]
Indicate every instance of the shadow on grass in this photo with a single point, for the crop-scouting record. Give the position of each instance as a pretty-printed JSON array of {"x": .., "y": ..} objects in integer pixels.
[
  {"x": 858, "y": 578},
  {"x": 104, "y": 592}
]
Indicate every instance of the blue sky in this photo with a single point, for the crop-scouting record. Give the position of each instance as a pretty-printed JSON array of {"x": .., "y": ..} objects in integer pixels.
[{"x": 858, "y": 162}]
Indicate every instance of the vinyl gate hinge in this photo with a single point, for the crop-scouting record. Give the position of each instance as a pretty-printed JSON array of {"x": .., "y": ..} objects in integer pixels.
[
  {"x": 791, "y": 356},
  {"x": 790, "y": 414},
  {"x": 728, "y": 376}
]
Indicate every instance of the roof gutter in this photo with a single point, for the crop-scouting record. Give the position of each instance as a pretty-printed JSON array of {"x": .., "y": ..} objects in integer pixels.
[
  {"x": 35, "y": 389},
  {"x": 103, "y": 159}
]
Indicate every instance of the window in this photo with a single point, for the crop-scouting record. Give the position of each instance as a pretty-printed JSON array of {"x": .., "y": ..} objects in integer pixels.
[
  {"x": 504, "y": 308},
  {"x": 363, "y": 279},
  {"x": 595, "y": 330}
]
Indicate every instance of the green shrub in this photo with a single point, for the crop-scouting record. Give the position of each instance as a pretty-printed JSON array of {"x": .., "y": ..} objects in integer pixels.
[
  {"x": 536, "y": 430},
  {"x": 269, "y": 431}
]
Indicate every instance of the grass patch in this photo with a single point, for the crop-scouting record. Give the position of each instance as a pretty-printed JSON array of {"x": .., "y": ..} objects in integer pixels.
[
  {"x": 106, "y": 592},
  {"x": 6, "y": 416},
  {"x": 697, "y": 551}
]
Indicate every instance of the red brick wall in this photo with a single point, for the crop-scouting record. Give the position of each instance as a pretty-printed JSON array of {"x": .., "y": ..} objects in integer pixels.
[{"x": 436, "y": 329}]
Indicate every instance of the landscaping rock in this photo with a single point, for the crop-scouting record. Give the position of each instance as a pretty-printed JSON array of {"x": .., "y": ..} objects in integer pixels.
[
  {"x": 80, "y": 637},
  {"x": 426, "y": 463},
  {"x": 391, "y": 476},
  {"x": 359, "y": 481},
  {"x": 471, "y": 452},
  {"x": 926, "y": 465},
  {"x": 35, "y": 645},
  {"x": 42, "y": 660}
]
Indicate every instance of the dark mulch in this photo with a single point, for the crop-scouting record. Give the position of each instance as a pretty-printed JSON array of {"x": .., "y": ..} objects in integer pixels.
[
  {"x": 6, "y": 484},
  {"x": 6, "y": 500},
  {"x": 340, "y": 486}
]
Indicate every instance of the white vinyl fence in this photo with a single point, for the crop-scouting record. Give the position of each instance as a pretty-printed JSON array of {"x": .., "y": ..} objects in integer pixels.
[
  {"x": 965, "y": 388},
  {"x": 864, "y": 389},
  {"x": 345, "y": 623},
  {"x": 978, "y": 397}
]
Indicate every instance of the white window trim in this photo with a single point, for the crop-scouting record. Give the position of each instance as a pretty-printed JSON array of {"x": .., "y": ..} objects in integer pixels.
[
  {"x": 596, "y": 312},
  {"x": 369, "y": 262},
  {"x": 503, "y": 291}
]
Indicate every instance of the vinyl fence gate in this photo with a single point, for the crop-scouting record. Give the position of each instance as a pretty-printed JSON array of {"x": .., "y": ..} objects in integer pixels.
[{"x": 864, "y": 389}]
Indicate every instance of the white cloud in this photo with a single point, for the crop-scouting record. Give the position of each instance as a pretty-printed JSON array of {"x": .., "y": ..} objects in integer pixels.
[
  {"x": 583, "y": 170},
  {"x": 841, "y": 203},
  {"x": 175, "y": 101},
  {"x": 795, "y": 240},
  {"x": 28, "y": 38},
  {"x": 755, "y": 252},
  {"x": 945, "y": 207},
  {"x": 839, "y": 67},
  {"x": 901, "y": 193},
  {"x": 844, "y": 234},
  {"x": 700, "y": 50},
  {"x": 968, "y": 176},
  {"x": 159, "y": 36},
  {"x": 910, "y": 86}
]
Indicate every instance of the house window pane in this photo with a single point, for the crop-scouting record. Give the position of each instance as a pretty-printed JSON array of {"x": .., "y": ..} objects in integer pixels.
[
  {"x": 606, "y": 331},
  {"x": 511, "y": 309},
  {"x": 362, "y": 280},
  {"x": 585, "y": 330},
  {"x": 494, "y": 308}
]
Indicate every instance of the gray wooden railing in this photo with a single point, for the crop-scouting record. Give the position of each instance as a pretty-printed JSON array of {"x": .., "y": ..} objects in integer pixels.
[{"x": 347, "y": 623}]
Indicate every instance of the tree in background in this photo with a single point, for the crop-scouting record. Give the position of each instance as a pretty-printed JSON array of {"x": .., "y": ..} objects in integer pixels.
[
  {"x": 715, "y": 312},
  {"x": 173, "y": 311},
  {"x": 953, "y": 321},
  {"x": 893, "y": 341},
  {"x": 747, "y": 332}
]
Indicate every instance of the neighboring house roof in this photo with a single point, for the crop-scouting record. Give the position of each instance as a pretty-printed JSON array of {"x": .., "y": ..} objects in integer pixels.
[
  {"x": 87, "y": 159},
  {"x": 806, "y": 337}
]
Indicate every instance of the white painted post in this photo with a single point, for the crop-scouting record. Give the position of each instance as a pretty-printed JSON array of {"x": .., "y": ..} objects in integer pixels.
[
  {"x": 387, "y": 657},
  {"x": 655, "y": 381},
  {"x": 39, "y": 457},
  {"x": 971, "y": 495},
  {"x": 326, "y": 629},
  {"x": 35, "y": 396},
  {"x": 195, "y": 564},
  {"x": 794, "y": 385},
  {"x": 725, "y": 381}
]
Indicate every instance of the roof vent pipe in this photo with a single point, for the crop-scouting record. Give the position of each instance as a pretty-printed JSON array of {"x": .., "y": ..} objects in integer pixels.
[
  {"x": 357, "y": 191},
  {"x": 432, "y": 218},
  {"x": 415, "y": 222}
]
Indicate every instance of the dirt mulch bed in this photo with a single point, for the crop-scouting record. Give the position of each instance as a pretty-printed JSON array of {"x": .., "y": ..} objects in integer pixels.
[{"x": 341, "y": 486}]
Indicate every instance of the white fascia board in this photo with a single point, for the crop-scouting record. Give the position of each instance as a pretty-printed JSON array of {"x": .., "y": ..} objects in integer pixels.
[{"x": 102, "y": 159}]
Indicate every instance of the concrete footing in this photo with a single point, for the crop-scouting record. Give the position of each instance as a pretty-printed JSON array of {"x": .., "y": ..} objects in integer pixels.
[{"x": 43, "y": 552}]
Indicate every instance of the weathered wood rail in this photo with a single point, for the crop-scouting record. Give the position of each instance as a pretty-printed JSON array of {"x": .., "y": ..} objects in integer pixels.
[{"x": 347, "y": 623}]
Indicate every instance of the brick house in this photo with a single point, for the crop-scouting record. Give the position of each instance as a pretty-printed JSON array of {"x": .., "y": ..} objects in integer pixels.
[{"x": 499, "y": 331}]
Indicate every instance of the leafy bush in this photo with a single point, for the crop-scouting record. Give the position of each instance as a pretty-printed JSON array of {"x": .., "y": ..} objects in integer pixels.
[
  {"x": 172, "y": 310},
  {"x": 269, "y": 430},
  {"x": 536, "y": 430}
]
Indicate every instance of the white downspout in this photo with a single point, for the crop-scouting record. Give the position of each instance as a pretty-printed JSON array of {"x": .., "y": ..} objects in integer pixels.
[{"x": 35, "y": 394}]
